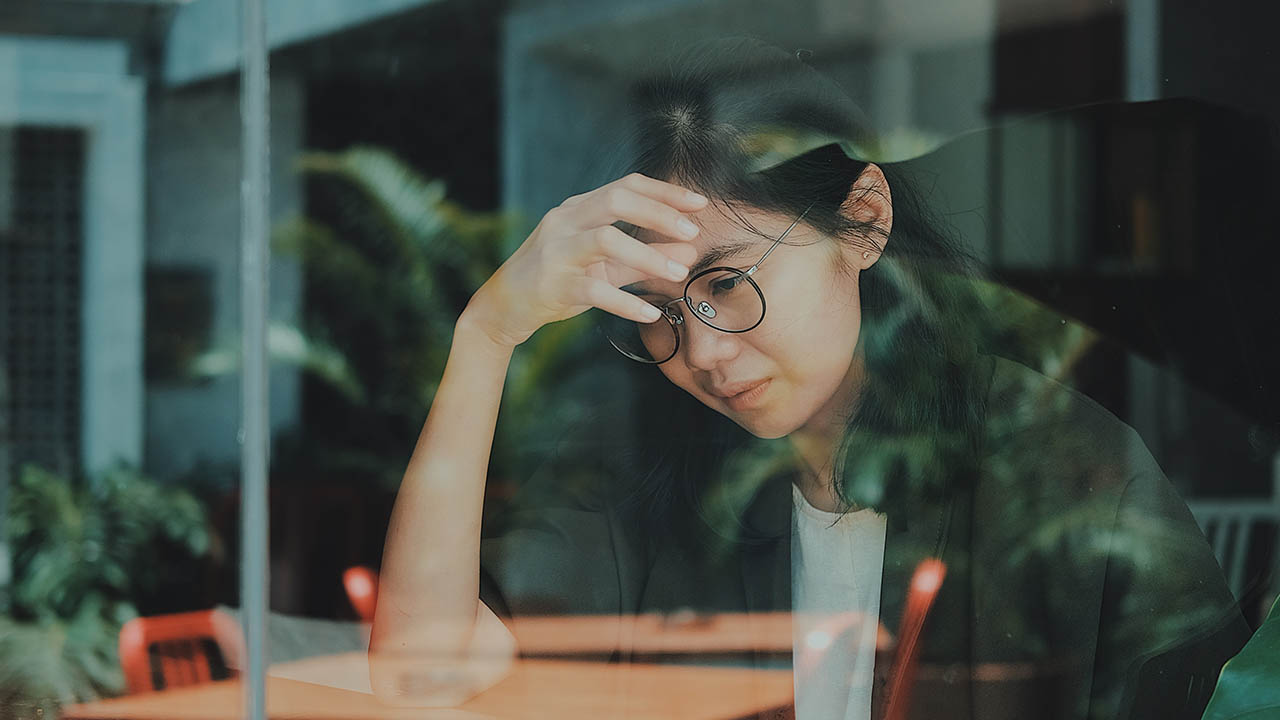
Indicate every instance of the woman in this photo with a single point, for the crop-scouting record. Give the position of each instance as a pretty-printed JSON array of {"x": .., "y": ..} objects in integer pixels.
[{"x": 824, "y": 416}]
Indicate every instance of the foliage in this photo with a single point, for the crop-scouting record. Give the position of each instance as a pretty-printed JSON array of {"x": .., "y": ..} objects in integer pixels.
[
  {"x": 390, "y": 266},
  {"x": 1248, "y": 687},
  {"x": 390, "y": 263},
  {"x": 82, "y": 554}
]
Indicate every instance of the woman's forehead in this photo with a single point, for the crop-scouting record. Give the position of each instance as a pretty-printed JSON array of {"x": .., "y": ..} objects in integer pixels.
[
  {"x": 718, "y": 226},
  {"x": 738, "y": 221},
  {"x": 725, "y": 239},
  {"x": 721, "y": 240}
]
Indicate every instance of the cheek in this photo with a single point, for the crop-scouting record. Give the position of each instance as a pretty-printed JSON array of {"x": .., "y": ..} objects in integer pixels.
[
  {"x": 807, "y": 341},
  {"x": 816, "y": 328},
  {"x": 814, "y": 349},
  {"x": 840, "y": 321}
]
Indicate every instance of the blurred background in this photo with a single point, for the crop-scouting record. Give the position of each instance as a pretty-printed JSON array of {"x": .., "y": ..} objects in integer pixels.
[{"x": 1112, "y": 160}]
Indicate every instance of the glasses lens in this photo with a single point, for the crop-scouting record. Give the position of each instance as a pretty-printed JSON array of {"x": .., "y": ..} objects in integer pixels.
[
  {"x": 726, "y": 300},
  {"x": 646, "y": 342}
]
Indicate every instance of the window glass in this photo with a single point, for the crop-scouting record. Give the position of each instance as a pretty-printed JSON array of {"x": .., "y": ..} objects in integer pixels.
[{"x": 976, "y": 421}]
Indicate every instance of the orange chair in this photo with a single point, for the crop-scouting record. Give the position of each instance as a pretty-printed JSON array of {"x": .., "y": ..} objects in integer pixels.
[
  {"x": 167, "y": 651},
  {"x": 362, "y": 590}
]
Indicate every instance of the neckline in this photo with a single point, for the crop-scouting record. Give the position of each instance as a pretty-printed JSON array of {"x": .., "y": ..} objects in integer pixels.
[{"x": 802, "y": 504}]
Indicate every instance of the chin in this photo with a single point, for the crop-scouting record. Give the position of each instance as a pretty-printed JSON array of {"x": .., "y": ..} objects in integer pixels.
[
  {"x": 763, "y": 430},
  {"x": 772, "y": 435}
]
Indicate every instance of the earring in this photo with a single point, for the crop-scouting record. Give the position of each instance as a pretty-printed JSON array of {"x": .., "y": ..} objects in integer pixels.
[{"x": 866, "y": 255}]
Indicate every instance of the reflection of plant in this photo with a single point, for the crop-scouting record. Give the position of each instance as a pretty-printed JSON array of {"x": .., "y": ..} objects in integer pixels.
[
  {"x": 1248, "y": 688},
  {"x": 390, "y": 263},
  {"x": 82, "y": 556},
  {"x": 1026, "y": 330}
]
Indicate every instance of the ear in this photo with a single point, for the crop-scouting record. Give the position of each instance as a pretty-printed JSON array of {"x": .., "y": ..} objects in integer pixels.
[{"x": 869, "y": 201}]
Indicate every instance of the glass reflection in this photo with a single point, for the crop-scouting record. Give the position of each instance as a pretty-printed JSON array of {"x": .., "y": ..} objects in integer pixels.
[{"x": 1002, "y": 445}]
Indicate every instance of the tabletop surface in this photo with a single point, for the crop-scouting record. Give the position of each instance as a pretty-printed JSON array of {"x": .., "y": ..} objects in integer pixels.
[{"x": 336, "y": 686}]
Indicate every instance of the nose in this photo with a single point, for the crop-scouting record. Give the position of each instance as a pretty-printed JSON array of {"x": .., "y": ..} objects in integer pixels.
[{"x": 705, "y": 347}]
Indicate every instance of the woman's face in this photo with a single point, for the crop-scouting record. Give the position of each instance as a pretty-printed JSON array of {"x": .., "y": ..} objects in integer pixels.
[{"x": 796, "y": 369}]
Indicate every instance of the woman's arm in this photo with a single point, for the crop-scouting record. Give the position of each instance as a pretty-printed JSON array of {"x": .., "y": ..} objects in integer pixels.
[
  {"x": 433, "y": 641},
  {"x": 429, "y": 612}
]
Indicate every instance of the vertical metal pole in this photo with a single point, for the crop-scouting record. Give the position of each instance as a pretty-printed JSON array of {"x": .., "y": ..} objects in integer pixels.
[
  {"x": 254, "y": 429},
  {"x": 1142, "y": 50}
]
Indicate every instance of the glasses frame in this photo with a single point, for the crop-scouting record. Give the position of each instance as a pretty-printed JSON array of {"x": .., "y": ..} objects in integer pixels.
[{"x": 675, "y": 319}]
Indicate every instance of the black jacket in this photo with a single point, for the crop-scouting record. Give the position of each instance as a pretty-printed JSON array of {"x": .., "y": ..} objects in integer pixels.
[{"x": 1078, "y": 584}]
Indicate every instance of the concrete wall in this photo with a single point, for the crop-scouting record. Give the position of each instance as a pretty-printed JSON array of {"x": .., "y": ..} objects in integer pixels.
[
  {"x": 193, "y": 219},
  {"x": 86, "y": 84},
  {"x": 204, "y": 37}
]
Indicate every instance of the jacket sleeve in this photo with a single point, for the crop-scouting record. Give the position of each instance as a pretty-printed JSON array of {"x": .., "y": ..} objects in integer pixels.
[
  {"x": 1168, "y": 621},
  {"x": 1092, "y": 560},
  {"x": 551, "y": 561},
  {"x": 558, "y": 547}
]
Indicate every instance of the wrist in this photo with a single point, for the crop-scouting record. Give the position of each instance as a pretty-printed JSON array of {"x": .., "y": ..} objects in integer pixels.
[{"x": 475, "y": 327}]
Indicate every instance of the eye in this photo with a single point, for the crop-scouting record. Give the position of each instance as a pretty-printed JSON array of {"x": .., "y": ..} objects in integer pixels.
[{"x": 726, "y": 284}]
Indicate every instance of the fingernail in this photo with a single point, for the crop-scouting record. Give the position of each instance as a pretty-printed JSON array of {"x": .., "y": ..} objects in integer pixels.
[
  {"x": 695, "y": 197},
  {"x": 676, "y": 271},
  {"x": 652, "y": 313},
  {"x": 687, "y": 228}
]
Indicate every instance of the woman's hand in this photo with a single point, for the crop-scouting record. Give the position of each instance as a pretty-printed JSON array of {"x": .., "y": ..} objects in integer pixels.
[{"x": 575, "y": 259}]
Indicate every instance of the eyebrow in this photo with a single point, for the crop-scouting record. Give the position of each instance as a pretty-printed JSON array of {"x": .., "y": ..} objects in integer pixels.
[{"x": 713, "y": 255}]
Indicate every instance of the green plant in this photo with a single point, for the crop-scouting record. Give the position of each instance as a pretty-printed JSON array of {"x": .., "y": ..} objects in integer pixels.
[
  {"x": 83, "y": 553},
  {"x": 1248, "y": 688},
  {"x": 390, "y": 262}
]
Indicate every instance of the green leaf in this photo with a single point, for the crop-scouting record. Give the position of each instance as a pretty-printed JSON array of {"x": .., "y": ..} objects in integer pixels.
[
  {"x": 287, "y": 343},
  {"x": 82, "y": 551},
  {"x": 1249, "y": 686}
]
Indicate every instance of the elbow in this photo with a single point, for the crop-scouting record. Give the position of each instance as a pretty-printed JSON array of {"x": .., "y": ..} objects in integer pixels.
[
  {"x": 414, "y": 680},
  {"x": 407, "y": 674}
]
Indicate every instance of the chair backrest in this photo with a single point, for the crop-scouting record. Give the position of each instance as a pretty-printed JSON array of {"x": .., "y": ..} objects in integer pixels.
[
  {"x": 166, "y": 651},
  {"x": 361, "y": 584},
  {"x": 1230, "y": 526}
]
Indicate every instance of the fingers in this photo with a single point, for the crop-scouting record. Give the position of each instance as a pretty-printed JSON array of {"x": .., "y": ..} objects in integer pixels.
[
  {"x": 638, "y": 200},
  {"x": 621, "y": 275},
  {"x": 684, "y": 253},
  {"x": 598, "y": 293},
  {"x": 678, "y": 197},
  {"x": 610, "y": 243},
  {"x": 620, "y": 203},
  {"x": 579, "y": 236}
]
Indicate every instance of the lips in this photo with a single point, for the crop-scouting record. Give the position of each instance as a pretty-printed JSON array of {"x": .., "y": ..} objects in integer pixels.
[
  {"x": 729, "y": 391},
  {"x": 750, "y": 398}
]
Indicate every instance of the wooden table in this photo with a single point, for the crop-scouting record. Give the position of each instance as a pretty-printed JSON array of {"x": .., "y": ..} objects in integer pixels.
[
  {"x": 653, "y": 634},
  {"x": 337, "y": 686}
]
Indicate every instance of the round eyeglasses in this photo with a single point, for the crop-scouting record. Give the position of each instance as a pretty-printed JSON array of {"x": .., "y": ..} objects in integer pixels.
[{"x": 724, "y": 298}]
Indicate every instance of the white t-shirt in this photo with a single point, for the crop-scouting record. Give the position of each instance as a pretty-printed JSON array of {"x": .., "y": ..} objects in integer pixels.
[{"x": 836, "y": 563}]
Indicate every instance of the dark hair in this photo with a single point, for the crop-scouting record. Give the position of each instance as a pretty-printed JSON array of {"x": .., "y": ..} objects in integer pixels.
[{"x": 750, "y": 125}]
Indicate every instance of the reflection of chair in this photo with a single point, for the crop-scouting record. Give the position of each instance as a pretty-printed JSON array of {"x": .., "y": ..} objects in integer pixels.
[
  {"x": 362, "y": 590},
  {"x": 168, "y": 651},
  {"x": 1231, "y": 526}
]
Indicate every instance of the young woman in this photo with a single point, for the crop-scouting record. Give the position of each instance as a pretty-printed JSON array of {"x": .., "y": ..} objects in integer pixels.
[{"x": 820, "y": 414}]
